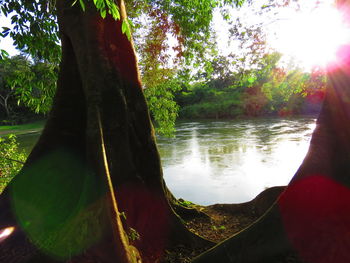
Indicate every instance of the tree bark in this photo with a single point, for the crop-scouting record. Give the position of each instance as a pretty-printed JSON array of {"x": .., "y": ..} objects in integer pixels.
[
  {"x": 4, "y": 103},
  {"x": 310, "y": 218},
  {"x": 63, "y": 200}
]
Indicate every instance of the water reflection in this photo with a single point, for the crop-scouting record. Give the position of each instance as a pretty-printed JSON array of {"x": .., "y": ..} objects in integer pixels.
[{"x": 232, "y": 161}]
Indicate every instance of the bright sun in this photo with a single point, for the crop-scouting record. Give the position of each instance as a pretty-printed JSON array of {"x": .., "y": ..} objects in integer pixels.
[{"x": 312, "y": 36}]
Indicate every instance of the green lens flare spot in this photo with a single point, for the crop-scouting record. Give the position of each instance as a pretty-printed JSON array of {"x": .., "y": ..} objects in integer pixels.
[{"x": 58, "y": 203}]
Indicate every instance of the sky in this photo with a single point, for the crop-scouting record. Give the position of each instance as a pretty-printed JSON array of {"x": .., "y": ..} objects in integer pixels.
[
  {"x": 310, "y": 36},
  {"x": 7, "y": 43}
]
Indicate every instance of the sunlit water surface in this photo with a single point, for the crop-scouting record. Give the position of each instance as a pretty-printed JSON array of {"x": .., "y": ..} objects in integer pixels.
[
  {"x": 232, "y": 161},
  {"x": 228, "y": 161}
]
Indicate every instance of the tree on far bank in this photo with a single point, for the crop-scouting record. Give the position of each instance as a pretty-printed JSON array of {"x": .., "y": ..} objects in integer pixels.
[
  {"x": 266, "y": 89},
  {"x": 26, "y": 87},
  {"x": 10, "y": 70}
]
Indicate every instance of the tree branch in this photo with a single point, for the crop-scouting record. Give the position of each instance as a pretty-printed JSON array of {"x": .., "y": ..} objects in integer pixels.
[{"x": 10, "y": 159}]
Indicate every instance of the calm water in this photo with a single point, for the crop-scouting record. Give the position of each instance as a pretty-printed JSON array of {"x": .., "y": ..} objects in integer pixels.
[
  {"x": 229, "y": 161},
  {"x": 233, "y": 161}
]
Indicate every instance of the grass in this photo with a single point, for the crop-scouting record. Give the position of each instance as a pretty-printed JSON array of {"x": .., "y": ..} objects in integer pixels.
[{"x": 23, "y": 128}]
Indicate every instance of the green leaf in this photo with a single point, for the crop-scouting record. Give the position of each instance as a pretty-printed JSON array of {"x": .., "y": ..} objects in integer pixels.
[
  {"x": 103, "y": 13},
  {"x": 4, "y": 53},
  {"x": 5, "y": 29},
  {"x": 126, "y": 29},
  {"x": 114, "y": 12},
  {"x": 130, "y": 23},
  {"x": 74, "y": 2},
  {"x": 82, "y": 4},
  {"x": 128, "y": 34},
  {"x": 251, "y": 80},
  {"x": 99, "y": 4},
  {"x": 124, "y": 26}
]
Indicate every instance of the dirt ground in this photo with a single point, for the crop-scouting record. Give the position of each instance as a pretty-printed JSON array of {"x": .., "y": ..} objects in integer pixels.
[{"x": 219, "y": 222}]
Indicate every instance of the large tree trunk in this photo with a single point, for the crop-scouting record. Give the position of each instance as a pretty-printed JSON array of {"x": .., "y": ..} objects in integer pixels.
[
  {"x": 311, "y": 218},
  {"x": 96, "y": 158}
]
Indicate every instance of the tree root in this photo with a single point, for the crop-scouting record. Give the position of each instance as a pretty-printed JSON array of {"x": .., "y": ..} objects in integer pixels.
[{"x": 263, "y": 241}]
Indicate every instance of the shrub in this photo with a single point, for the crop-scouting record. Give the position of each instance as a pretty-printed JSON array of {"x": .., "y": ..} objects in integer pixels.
[{"x": 11, "y": 159}]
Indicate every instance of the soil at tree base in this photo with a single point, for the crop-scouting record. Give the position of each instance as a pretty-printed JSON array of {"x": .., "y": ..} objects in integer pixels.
[{"x": 221, "y": 221}]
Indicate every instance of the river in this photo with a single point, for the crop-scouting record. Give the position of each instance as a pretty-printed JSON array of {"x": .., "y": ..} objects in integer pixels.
[
  {"x": 232, "y": 161},
  {"x": 229, "y": 161}
]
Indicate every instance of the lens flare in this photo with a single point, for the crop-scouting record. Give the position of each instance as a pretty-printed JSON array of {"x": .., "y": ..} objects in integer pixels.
[
  {"x": 315, "y": 214},
  {"x": 6, "y": 232},
  {"x": 312, "y": 36}
]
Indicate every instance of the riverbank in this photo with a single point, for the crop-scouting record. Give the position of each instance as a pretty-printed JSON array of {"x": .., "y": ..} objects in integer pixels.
[
  {"x": 313, "y": 114},
  {"x": 22, "y": 128}
]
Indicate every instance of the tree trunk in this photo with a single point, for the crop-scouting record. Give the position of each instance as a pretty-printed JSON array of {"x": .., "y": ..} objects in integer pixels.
[
  {"x": 98, "y": 146},
  {"x": 311, "y": 217},
  {"x": 4, "y": 103}
]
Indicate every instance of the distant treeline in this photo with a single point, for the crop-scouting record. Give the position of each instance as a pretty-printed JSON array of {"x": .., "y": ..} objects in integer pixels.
[
  {"x": 27, "y": 89},
  {"x": 267, "y": 90}
]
